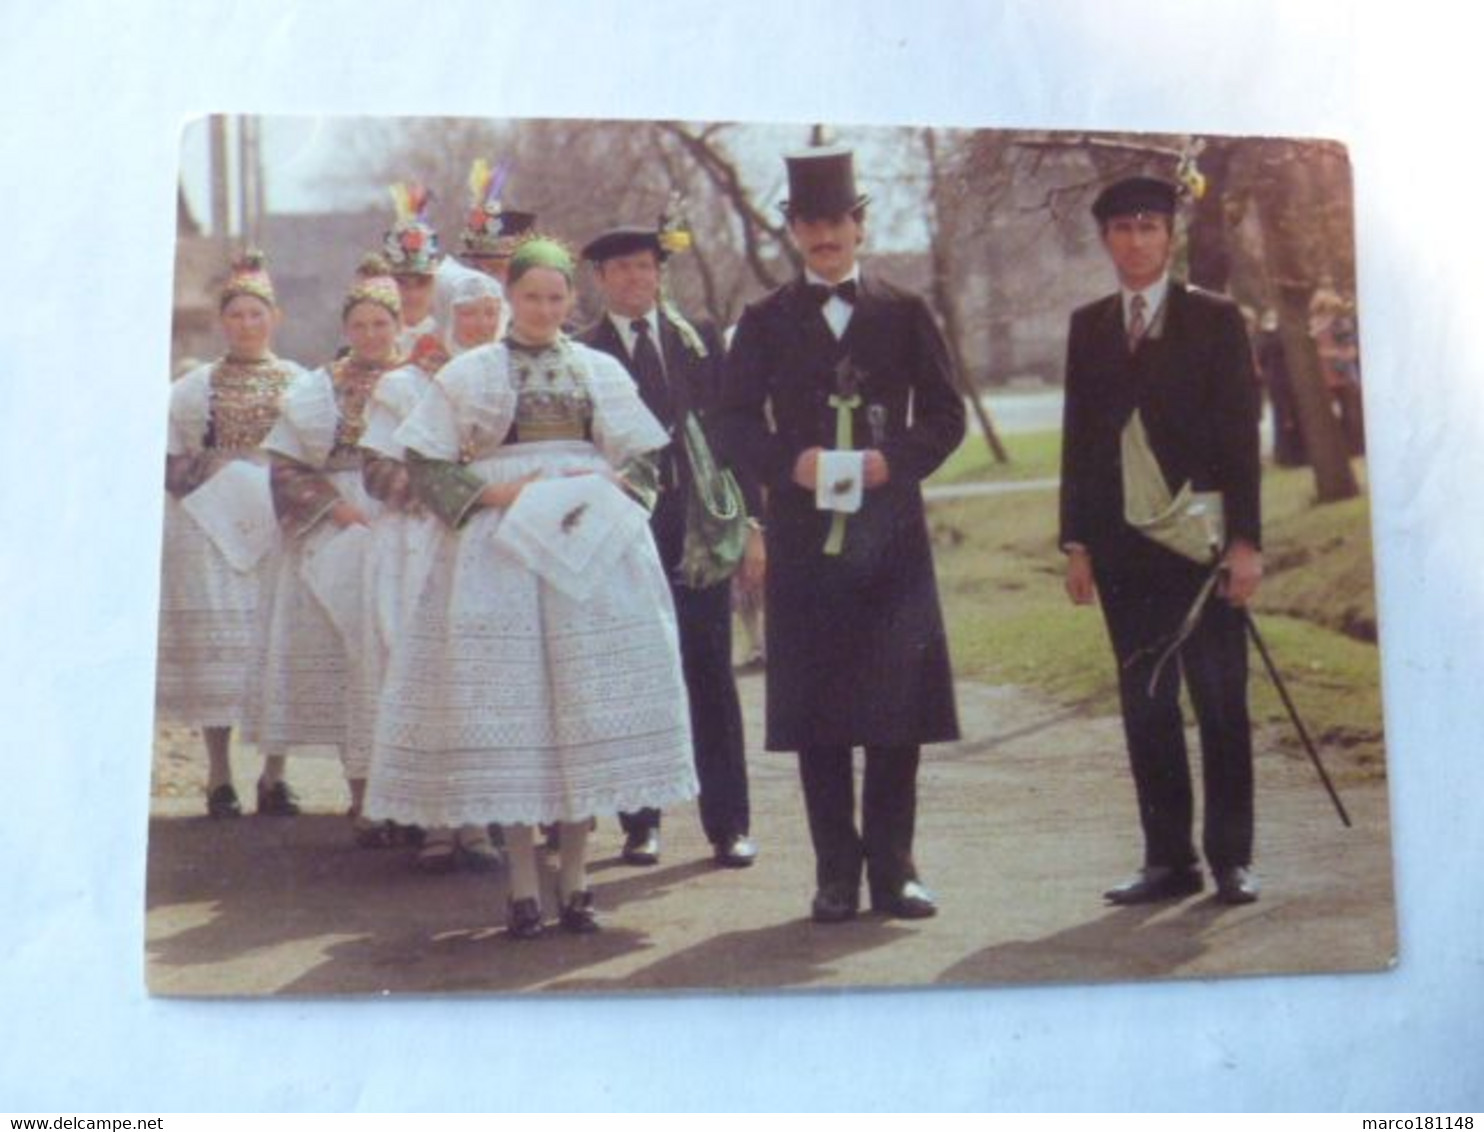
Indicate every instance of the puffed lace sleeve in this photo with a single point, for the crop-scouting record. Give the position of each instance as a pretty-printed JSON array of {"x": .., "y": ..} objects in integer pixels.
[
  {"x": 392, "y": 402},
  {"x": 300, "y": 443},
  {"x": 187, "y": 464},
  {"x": 623, "y": 427},
  {"x": 190, "y": 409},
  {"x": 466, "y": 411},
  {"x": 305, "y": 429}
]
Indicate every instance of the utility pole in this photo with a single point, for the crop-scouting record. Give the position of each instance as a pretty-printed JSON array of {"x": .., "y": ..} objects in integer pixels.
[{"x": 220, "y": 197}]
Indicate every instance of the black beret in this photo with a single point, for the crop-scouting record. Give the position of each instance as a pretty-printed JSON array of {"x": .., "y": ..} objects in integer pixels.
[{"x": 623, "y": 241}]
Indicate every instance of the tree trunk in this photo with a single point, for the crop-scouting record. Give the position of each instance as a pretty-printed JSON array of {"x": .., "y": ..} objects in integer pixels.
[
  {"x": 1210, "y": 249},
  {"x": 1286, "y": 206},
  {"x": 945, "y": 298}
]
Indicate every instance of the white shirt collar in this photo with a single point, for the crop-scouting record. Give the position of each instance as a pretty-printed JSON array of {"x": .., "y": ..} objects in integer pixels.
[
  {"x": 624, "y": 325},
  {"x": 836, "y": 311},
  {"x": 1154, "y": 297}
]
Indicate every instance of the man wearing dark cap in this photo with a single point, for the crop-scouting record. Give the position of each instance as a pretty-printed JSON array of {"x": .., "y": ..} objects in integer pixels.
[
  {"x": 1162, "y": 405},
  {"x": 677, "y": 366},
  {"x": 839, "y": 398}
]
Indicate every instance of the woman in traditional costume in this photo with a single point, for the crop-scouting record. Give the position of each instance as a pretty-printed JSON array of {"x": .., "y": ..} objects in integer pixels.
[
  {"x": 537, "y": 678},
  {"x": 414, "y": 258},
  {"x": 312, "y": 677},
  {"x": 403, "y": 536},
  {"x": 220, "y": 535}
]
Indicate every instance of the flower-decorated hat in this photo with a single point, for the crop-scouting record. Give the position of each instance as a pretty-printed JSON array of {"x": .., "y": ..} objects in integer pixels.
[
  {"x": 411, "y": 246},
  {"x": 491, "y": 229},
  {"x": 675, "y": 234},
  {"x": 373, "y": 284},
  {"x": 670, "y": 235},
  {"x": 248, "y": 276}
]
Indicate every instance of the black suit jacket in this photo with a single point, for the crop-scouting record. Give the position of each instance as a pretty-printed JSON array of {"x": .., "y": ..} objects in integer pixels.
[
  {"x": 692, "y": 383},
  {"x": 1195, "y": 388}
]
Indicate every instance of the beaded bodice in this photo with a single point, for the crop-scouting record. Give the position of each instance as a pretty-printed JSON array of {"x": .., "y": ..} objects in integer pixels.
[
  {"x": 552, "y": 398},
  {"x": 353, "y": 381},
  {"x": 244, "y": 401}
]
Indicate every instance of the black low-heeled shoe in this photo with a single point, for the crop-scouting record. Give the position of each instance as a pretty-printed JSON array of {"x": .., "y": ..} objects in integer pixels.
[
  {"x": 277, "y": 801},
  {"x": 222, "y": 803},
  {"x": 579, "y": 914},
  {"x": 523, "y": 918}
]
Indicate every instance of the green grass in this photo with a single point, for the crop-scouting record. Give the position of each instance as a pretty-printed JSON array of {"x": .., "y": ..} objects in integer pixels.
[
  {"x": 1010, "y": 622},
  {"x": 1033, "y": 455},
  {"x": 1318, "y": 559}
]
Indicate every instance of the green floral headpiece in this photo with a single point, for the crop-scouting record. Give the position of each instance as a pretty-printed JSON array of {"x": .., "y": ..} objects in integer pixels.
[{"x": 542, "y": 251}]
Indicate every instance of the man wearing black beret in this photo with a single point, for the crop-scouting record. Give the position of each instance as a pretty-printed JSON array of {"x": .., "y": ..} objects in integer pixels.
[
  {"x": 839, "y": 399},
  {"x": 1160, "y": 483},
  {"x": 676, "y": 366}
]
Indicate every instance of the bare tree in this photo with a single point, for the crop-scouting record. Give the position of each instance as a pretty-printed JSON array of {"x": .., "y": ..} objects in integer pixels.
[
  {"x": 946, "y": 220},
  {"x": 1294, "y": 194},
  {"x": 762, "y": 239}
]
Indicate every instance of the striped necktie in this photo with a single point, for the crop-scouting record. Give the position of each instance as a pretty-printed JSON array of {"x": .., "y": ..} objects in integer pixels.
[{"x": 1136, "y": 322}]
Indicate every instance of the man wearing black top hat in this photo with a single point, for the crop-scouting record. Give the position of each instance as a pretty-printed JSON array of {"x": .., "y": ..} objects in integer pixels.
[
  {"x": 676, "y": 366},
  {"x": 1164, "y": 369},
  {"x": 839, "y": 398}
]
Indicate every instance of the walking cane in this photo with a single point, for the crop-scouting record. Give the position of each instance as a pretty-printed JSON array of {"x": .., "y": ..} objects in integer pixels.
[{"x": 1293, "y": 714}]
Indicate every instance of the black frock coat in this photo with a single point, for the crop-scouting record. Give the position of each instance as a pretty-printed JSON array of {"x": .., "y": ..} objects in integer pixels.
[{"x": 857, "y": 653}]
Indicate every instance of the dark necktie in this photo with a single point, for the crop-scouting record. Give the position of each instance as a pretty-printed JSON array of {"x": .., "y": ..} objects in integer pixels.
[
  {"x": 1136, "y": 323},
  {"x": 821, "y": 293},
  {"x": 649, "y": 372}
]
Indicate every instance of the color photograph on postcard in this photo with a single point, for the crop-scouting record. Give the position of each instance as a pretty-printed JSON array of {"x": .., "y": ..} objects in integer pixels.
[{"x": 609, "y": 556}]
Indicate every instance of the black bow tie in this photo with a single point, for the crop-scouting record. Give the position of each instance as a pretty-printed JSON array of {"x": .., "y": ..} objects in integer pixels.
[{"x": 821, "y": 293}]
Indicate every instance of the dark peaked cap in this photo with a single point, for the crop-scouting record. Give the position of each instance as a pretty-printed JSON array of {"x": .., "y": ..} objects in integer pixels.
[
  {"x": 821, "y": 183},
  {"x": 1134, "y": 195},
  {"x": 623, "y": 241}
]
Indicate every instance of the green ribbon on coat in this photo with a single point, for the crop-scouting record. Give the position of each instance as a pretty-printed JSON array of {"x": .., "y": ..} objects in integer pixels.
[{"x": 844, "y": 442}]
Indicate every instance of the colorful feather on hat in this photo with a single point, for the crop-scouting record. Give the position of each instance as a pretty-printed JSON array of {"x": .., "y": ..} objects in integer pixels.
[
  {"x": 410, "y": 200},
  {"x": 497, "y": 182},
  {"x": 486, "y": 184},
  {"x": 418, "y": 198},
  {"x": 400, "y": 201},
  {"x": 479, "y": 179}
]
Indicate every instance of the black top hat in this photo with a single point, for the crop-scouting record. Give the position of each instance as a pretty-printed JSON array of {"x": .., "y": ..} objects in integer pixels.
[
  {"x": 623, "y": 241},
  {"x": 821, "y": 183},
  {"x": 1134, "y": 195}
]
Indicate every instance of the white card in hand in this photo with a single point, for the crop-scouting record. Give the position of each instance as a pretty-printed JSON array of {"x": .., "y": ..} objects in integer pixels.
[{"x": 841, "y": 481}]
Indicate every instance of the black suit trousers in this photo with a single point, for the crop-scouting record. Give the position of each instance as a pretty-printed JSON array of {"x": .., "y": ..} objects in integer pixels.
[
  {"x": 1143, "y": 610},
  {"x": 705, "y": 619},
  {"x": 883, "y": 843}
]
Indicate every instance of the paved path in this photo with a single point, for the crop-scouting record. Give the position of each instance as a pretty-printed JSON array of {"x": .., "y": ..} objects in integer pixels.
[
  {"x": 1021, "y": 826},
  {"x": 969, "y": 490}
]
